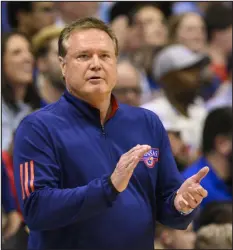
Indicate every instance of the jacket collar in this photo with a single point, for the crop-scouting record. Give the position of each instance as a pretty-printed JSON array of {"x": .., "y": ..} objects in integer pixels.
[{"x": 88, "y": 110}]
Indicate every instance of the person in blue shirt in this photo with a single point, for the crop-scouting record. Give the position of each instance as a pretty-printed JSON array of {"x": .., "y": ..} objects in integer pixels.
[
  {"x": 13, "y": 219},
  {"x": 217, "y": 154},
  {"x": 92, "y": 173}
]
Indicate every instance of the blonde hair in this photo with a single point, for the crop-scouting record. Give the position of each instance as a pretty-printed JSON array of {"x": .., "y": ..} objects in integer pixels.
[
  {"x": 84, "y": 24},
  {"x": 214, "y": 236}
]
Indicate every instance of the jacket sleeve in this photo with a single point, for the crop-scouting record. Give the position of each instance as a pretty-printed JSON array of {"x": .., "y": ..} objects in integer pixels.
[
  {"x": 168, "y": 182},
  {"x": 8, "y": 201},
  {"x": 45, "y": 205}
]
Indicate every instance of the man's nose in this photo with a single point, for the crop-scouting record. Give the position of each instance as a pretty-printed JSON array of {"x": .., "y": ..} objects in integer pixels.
[{"x": 95, "y": 63}]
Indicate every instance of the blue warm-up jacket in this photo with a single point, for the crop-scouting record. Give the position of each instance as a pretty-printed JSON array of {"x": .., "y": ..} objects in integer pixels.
[{"x": 63, "y": 158}]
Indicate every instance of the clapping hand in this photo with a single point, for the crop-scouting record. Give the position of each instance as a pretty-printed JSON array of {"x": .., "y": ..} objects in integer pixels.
[{"x": 191, "y": 193}]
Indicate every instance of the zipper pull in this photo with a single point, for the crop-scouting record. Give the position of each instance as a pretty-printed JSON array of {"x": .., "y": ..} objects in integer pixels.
[{"x": 102, "y": 128}]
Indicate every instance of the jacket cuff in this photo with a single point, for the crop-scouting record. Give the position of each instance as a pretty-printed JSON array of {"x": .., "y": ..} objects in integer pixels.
[{"x": 110, "y": 191}]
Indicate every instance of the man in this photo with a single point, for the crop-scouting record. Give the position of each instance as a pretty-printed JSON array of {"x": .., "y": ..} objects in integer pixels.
[
  {"x": 92, "y": 174},
  {"x": 216, "y": 212},
  {"x": 214, "y": 237},
  {"x": 30, "y": 17},
  {"x": 178, "y": 70},
  {"x": 12, "y": 220},
  {"x": 70, "y": 11},
  {"x": 217, "y": 154},
  {"x": 218, "y": 18},
  {"x": 223, "y": 96},
  {"x": 170, "y": 238},
  {"x": 49, "y": 79},
  {"x": 128, "y": 88}
]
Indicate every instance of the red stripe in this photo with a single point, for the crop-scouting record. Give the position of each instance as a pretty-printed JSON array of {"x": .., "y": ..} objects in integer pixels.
[
  {"x": 26, "y": 179},
  {"x": 32, "y": 176},
  {"x": 21, "y": 180}
]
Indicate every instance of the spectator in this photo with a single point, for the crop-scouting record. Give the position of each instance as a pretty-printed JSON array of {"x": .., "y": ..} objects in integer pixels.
[
  {"x": 178, "y": 70},
  {"x": 196, "y": 7},
  {"x": 223, "y": 96},
  {"x": 188, "y": 29},
  {"x": 217, "y": 155},
  {"x": 71, "y": 11},
  {"x": 50, "y": 82},
  {"x": 218, "y": 19},
  {"x": 214, "y": 237},
  {"x": 128, "y": 89},
  {"x": 18, "y": 93},
  {"x": 13, "y": 219},
  {"x": 147, "y": 33},
  {"x": 169, "y": 238},
  {"x": 216, "y": 212},
  {"x": 140, "y": 35},
  {"x": 30, "y": 17}
]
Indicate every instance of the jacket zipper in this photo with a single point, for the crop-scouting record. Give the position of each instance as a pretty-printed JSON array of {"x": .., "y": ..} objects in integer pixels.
[{"x": 102, "y": 129}]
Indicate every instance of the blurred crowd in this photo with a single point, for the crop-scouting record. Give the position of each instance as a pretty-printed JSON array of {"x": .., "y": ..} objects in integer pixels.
[{"x": 175, "y": 60}]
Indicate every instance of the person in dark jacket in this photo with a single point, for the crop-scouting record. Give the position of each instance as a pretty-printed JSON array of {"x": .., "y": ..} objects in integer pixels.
[{"x": 92, "y": 173}]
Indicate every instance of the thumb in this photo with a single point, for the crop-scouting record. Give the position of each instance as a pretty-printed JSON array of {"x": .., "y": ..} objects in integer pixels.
[{"x": 201, "y": 174}]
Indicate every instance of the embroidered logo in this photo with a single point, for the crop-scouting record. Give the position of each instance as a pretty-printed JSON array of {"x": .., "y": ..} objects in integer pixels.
[{"x": 151, "y": 157}]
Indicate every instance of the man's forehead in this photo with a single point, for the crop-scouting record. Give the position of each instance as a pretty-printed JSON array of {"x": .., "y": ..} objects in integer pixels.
[{"x": 89, "y": 39}]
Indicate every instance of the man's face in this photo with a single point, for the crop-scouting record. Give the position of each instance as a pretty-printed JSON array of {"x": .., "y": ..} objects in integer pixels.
[
  {"x": 150, "y": 21},
  {"x": 224, "y": 39},
  {"x": 52, "y": 68},
  {"x": 76, "y": 10},
  {"x": 89, "y": 66},
  {"x": 178, "y": 239},
  {"x": 191, "y": 32},
  {"x": 185, "y": 84},
  {"x": 128, "y": 89},
  {"x": 42, "y": 15}
]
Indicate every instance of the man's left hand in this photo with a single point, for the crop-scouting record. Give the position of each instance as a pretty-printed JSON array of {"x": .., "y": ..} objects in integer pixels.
[{"x": 191, "y": 193}]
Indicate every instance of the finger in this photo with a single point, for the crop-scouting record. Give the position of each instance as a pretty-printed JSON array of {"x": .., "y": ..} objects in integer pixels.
[
  {"x": 136, "y": 149},
  {"x": 132, "y": 149},
  {"x": 130, "y": 168},
  {"x": 203, "y": 192},
  {"x": 124, "y": 162},
  {"x": 201, "y": 174},
  {"x": 191, "y": 202},
  {"x": 142, "y": 151},
  {"x": 183, "y": 206},
  {"x": 195, "y": 195}
]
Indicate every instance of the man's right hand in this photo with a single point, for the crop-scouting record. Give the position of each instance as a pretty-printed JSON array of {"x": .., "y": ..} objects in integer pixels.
[{"x": 126, "y": 165}]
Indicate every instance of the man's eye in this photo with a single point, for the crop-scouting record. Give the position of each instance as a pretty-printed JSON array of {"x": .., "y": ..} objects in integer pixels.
[
  {"x": 83, "y": 57},
  {"x": 104, "y": 56}
]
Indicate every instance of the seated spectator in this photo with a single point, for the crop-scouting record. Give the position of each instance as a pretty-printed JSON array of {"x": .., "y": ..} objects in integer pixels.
[
  {"x": 214, "y": 237},
  {"x": 71, "y": 11},
  {"x": 178, "y": 71},
  {"x": 19, "y": 97},
  {"x": 13, "y": 219},
  {"x": 30, "y": 17},
  {"x": 188, "y": 29},
  {"x": 128, "y": 88},
  {"x": 147, "y": 32},
  {"x": 223, "y": 96},
  {"x": 216, "y": 212},
  {"x": 218, "y": 19},
  {"x": 183, "y": 7},
  {"x": 169, "y": 238},
  {"x": 217, "y": 155},
  {"x": 50, "y": 82}
]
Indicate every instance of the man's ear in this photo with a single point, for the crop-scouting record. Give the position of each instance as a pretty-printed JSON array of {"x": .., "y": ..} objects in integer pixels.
[{"x": 62, "y": 66}]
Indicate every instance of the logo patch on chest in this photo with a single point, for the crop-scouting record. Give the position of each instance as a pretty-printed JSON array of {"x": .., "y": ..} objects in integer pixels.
[{"x": 151, "y": 157}]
